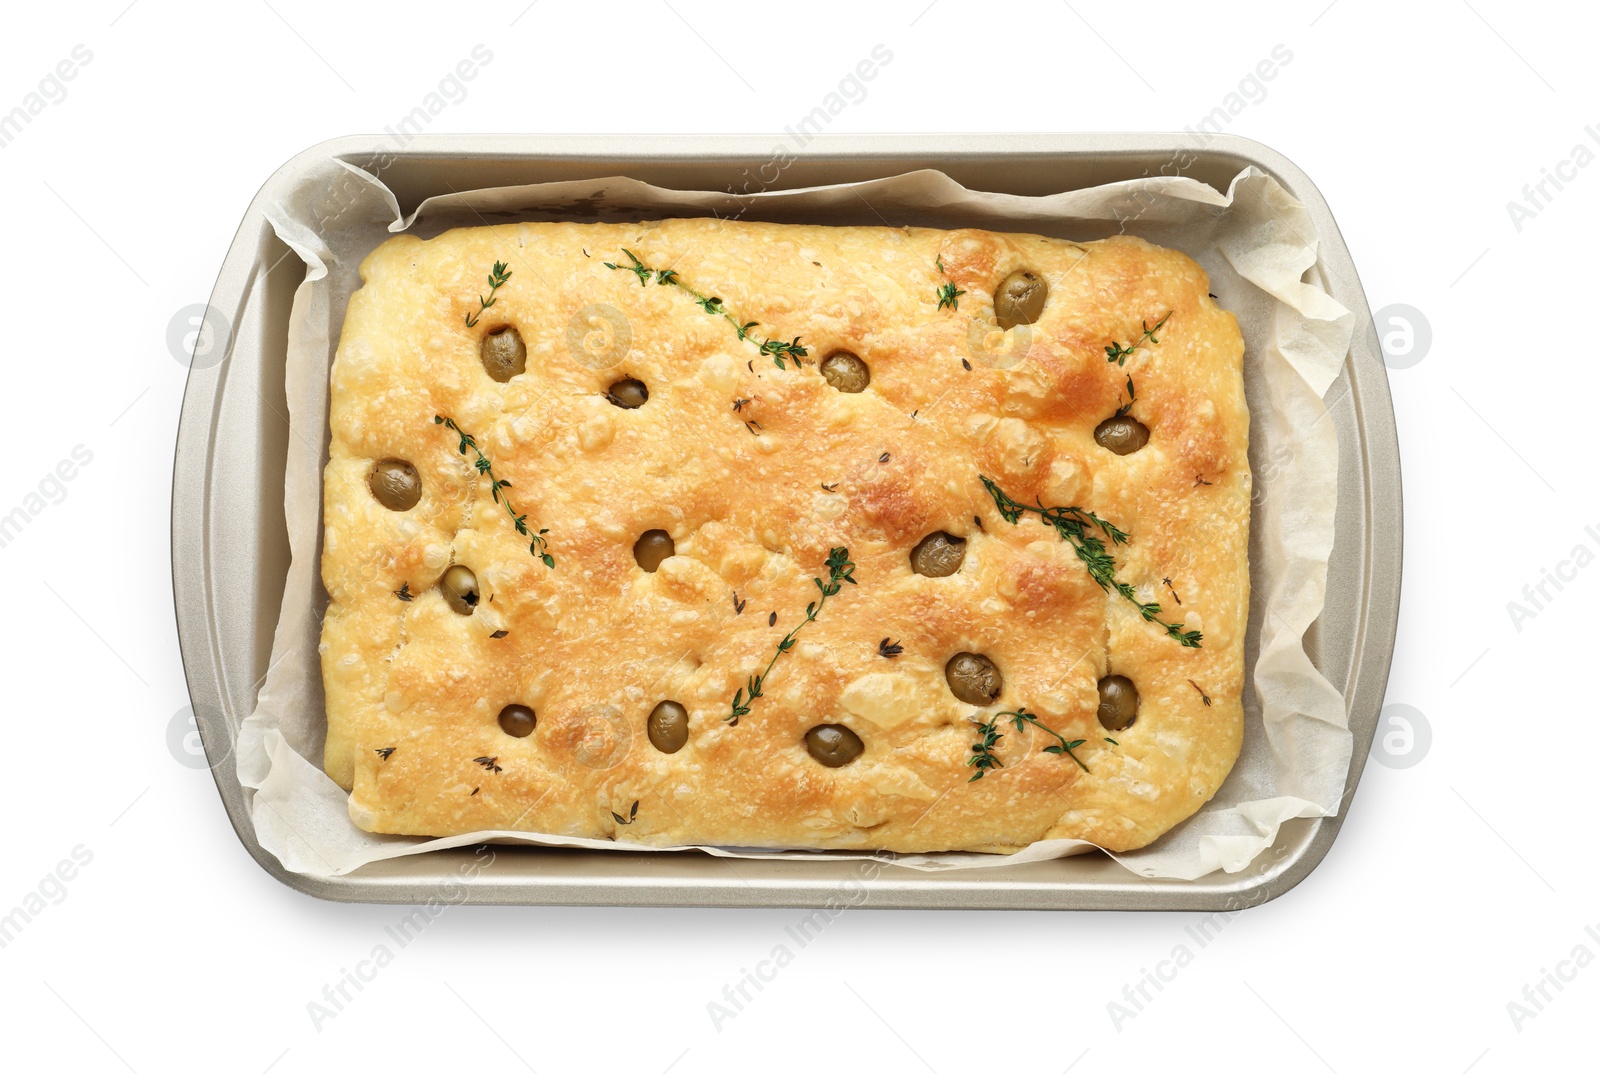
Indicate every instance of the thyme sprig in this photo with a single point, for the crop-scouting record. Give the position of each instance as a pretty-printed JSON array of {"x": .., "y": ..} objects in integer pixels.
[
  {"x": 1076, "y": 526},
  {"x": 497, "y": 280},
  {"x": 948, "y": 293},
  {"x": 776, "y": 349},
  {"x": 840, "y": 571},
  {"x": 983, "y": 756},
  {"x": 539, "y": 546},
  {"x": 1119, "y": 354}
]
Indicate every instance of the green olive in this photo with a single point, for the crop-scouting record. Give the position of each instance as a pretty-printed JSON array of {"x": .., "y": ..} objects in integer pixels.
[
  {"x": 938, "y": 555},
  {"x": 1121, "y": 434},
  {"x": 1020, "y": 298},
  {"x": 1119, "y": 702},
  {"x": 460, "y": 588},
  {"x": 517, "y": 721},
  {"x": 629, "y": 394},
  {"x": 395, "y": 483},
  {"x": 846, "y": 372},
  {"x": 503, "y": 353},
  {"x": 652, "y": 547},
  {"x": 833, "y": 744},
  {"x": 668, "y": 726},
  {"x": 974, "y": 679}
]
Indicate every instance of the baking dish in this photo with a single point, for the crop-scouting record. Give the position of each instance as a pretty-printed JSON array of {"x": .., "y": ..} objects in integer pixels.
[{"x": 231, "y": 554}]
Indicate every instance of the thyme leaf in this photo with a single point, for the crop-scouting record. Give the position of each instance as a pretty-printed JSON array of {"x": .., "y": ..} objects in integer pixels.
[
  {"x": 1125, "y": 407},
  {"x": 538, "y": 546},
  {"x": 1077, "y": 527},
  {"x": 840, "y": 571}
]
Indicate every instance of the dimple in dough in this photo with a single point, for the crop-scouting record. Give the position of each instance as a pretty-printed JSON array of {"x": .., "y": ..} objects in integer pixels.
[{"x": 756, "y": 472}]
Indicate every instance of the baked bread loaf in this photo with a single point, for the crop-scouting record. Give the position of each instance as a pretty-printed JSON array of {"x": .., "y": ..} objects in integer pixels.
[{"x": 832, "y": 537}]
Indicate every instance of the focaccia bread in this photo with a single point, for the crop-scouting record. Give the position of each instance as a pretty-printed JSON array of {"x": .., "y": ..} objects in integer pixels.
[{"x": 954, "y": 506}]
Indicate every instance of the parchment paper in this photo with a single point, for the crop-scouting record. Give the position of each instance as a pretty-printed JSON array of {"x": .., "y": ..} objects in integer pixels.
[{"x": 1256, "y": 242}]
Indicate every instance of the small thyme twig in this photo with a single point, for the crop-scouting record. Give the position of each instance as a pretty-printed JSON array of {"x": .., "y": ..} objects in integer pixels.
[
  {"x": 632, "y": 813},
  {"x": 890, "y": 649},
  {"x": 776, "y": 349},
  {"x": 1074, "y": 525},
  {"x": 1119, "y": 354},
  {"x": 840, "y": 571},
  {"x": 539, "y": 546},
  {"x": 497, "y": 280},
  {"x": 489, "y": 763},
  {"x": 1168, "y": 583},
  {"x": 983, "y": 757},
  {"x": 1203, "y": 696},
  {"x": 404, "y": 592},
  {"x": 384, "y": 751},
  {"x": 948, "y": 293},
  {"x": 1125, "y": 407}
]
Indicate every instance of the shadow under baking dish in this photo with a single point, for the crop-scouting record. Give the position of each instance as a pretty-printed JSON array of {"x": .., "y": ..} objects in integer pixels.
[{"x": 231, "y": 554}]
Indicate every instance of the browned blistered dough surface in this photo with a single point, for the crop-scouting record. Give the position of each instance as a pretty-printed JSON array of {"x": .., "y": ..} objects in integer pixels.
[{"x": 754, "y": 494}]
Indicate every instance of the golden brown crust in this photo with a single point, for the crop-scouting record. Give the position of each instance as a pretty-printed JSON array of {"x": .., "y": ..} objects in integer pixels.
[{"x": 595, "y": 643}]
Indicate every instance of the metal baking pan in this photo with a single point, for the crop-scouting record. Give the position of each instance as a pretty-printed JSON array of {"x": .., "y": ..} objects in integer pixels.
[{"x": 230, "y": 550}]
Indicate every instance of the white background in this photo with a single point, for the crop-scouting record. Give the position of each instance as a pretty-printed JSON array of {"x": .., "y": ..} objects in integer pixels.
[{"x": 1455, "y": 883}]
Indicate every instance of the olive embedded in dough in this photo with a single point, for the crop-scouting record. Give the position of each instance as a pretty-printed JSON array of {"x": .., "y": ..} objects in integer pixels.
[
  {"x": 518, "y": 721},
  {"x": 668, "y": 726},
  {"x": 460, "y": 588},
  {"x": 833, "y": 744},
  {"x": 1122, "y": 434},
  {"x": 503, "y": 353},
  {"x": 1119, "y": 702},
  {"x": 938, "y": 555},
  {"x": 1020, "y": 298},
  {"x": 974, "y": 678},
  {"x": 395, "y": 483},
  {"x": 629, "y": 394},
  {"x": 846, "y": 372},
  {"x": 651, "y": 548}
]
